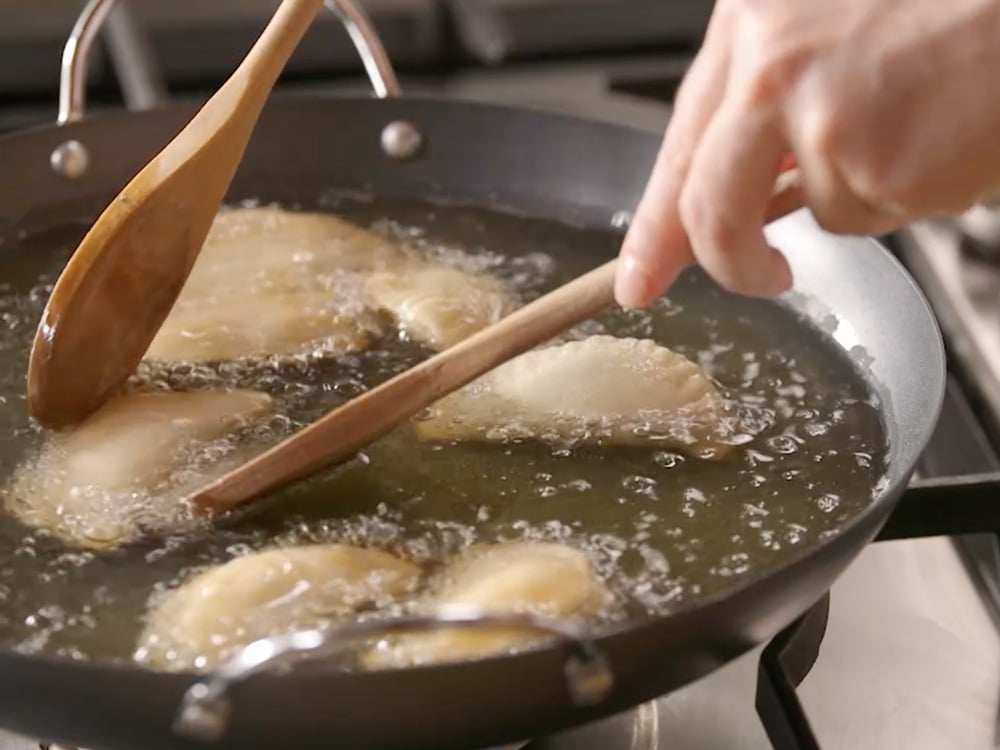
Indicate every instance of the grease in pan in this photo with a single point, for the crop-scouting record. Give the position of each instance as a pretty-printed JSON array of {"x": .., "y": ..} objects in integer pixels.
[
  {"x": 114, "y": 477},
  {"x": 659, "y": 528}
]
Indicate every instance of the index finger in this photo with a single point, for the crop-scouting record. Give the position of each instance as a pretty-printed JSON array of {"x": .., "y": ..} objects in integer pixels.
[{"x": 655, "y": 249}]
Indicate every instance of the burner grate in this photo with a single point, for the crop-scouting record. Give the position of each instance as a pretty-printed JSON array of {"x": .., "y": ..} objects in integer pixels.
[
  {"x": 784, "y": 663},
  {"x": 943, "y": 506},
  {"x": 947, "y": 506}
]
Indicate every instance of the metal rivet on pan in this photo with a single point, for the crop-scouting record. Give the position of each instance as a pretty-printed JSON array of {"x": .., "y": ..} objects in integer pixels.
[
  {"x": 204, "y": 714},
  {"x": 401, "y": 140},
  {"x": 589, "y": 678},
  {"x": 621, "y": 219},
  {"x": 70, "y": 160}
]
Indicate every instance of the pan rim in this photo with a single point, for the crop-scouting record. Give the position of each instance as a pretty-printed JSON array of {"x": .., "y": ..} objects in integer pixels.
[
  {"x": 602, "y": 635},
  {"x": 292, "y": 97}
]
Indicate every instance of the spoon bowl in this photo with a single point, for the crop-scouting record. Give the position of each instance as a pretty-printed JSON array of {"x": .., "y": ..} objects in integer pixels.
[{"x": 124, "y": 277}]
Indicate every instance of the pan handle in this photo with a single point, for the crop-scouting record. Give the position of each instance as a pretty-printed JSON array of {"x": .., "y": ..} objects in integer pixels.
[
  {"x": 76, "y": 54},
  {"x": 206, "y": 707},
  {"x": 71, "y": 160},
  {"x": 370, "y": 48}
]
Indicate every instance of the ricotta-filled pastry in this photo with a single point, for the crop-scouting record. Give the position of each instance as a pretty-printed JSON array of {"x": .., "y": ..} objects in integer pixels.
[
  {"x": 260, "y": 595},
  {"x": 599, "y": 390},
  {"x": 122, "y": 472},
  {"x": 438, "y": 305},
  {"x": 515, "y": 577},
  {"x": 272, "y": 282},
  {"x": 264, "y": 324}
]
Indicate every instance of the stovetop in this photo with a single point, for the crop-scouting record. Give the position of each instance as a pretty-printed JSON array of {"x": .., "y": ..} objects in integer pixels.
[
  {"x": 908, "y": 654},
  {"x": 961, "y": 275}
]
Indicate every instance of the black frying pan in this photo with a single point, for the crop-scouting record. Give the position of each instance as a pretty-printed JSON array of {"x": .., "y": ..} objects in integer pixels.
[{"x": 546, "y": 165}]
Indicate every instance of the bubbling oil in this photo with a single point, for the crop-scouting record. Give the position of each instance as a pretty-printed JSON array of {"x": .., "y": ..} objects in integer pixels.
[{"x": 661, "y": 529}]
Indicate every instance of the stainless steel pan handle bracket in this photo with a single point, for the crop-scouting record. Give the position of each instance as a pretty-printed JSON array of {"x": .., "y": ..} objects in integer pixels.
[
  {"x": 206, "y": 707},
  {"x": 71, "y": 159}
]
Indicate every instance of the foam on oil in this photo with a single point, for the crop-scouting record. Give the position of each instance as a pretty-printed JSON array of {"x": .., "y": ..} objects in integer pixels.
[{"x": 662, "y": 529}]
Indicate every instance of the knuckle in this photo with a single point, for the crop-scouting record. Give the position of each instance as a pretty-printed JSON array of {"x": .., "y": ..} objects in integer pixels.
[
  {"x": 824, "y": 126},
  {"x": 675, "y": 163},
  {"x": 832, "y": 219},
  {"x": 713, "y": 241},
  {"x": 854, "y": 173},
  {"x": 729, "y": 273},
  {"x": 847, "y": 135},
  {"x": 872, "y": 176},
  {"x": 844, "y": 213},
  {"x": 745, "y": 7},
  {"x": 880, "y": 182},
  {"x": 705, "y": 225},
  {"x": 772, "y": 54},
  {"x": 723, "y": 14},
  {"x": 644, "y": 231},
  {"x": 730, "y": 277},
  {"x": 689, "y": 91},
  {"x": 844, "y": 221},
  {"x": 674, "y": 159},
  {"x": 772, "y": 72},
  {"x": 833, "y": 204}
]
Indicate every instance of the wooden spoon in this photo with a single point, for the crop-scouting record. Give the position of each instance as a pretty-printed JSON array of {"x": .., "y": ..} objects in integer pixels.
[
  {"x": 119, "y": 286},
  {"x": 340, "y": 434}
]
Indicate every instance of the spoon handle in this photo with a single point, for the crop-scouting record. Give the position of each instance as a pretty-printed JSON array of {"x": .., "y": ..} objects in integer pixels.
[
  {"x": 246, "y": 91},
  {"x": 262, "y": 66},
  {"x": 126, "y": 274},
  {"x": 346, "y": 430}
]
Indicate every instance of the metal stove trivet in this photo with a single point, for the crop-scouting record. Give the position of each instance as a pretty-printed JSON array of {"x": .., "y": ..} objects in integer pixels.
[{"x": 931, "y": 508}]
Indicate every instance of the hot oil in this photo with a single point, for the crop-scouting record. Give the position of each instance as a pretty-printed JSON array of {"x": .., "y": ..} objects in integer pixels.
[{"x": 662, "y": 529}]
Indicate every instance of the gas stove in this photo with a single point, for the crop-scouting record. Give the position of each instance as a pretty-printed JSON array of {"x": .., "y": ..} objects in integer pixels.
[
  {"x": 903, "y": 652},
  {"x": 957, "y": 263}
]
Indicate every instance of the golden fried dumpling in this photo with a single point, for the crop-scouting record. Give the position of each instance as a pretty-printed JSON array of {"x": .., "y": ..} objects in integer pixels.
[
  {"x": 264, "y": 594},
  {"x": 265, "y": 324},
  {"x": 120, "y": 473},
  {"x": 274, "y": 249},
  {"x": 439, "y": 305},
  {"x": 518, "y": 577},
  {"x": 274, "y": 282},
  {"x": 599, "y": 390}
]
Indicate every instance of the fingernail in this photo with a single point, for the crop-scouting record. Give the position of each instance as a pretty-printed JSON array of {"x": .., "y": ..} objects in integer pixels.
[{"x": 633, "y": 285}]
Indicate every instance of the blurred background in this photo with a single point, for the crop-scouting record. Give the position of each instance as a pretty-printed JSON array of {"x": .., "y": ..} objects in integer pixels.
[{"x": 152, "y": 49}]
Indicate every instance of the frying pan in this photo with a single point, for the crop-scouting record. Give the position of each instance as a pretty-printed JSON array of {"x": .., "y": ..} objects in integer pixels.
[{"x": 542, "y": 164}]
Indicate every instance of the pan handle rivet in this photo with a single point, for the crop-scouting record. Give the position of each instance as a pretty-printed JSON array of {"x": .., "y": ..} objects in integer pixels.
[
  {"x": 70, "y": 160},
  {"x": 621, "y": 219},
  {"x": 401, "y": 140},
  {"x": 589, "y": 678}
]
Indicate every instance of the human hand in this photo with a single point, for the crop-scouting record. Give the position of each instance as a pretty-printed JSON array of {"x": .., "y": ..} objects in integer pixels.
[{"x": 888, "y": 107}]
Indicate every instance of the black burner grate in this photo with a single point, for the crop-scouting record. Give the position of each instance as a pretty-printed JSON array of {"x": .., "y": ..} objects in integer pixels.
[
  {"x": 959, "y": 497},
  {"x": 933, "y": 507},
  {"x": 784, "y": 663}
]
